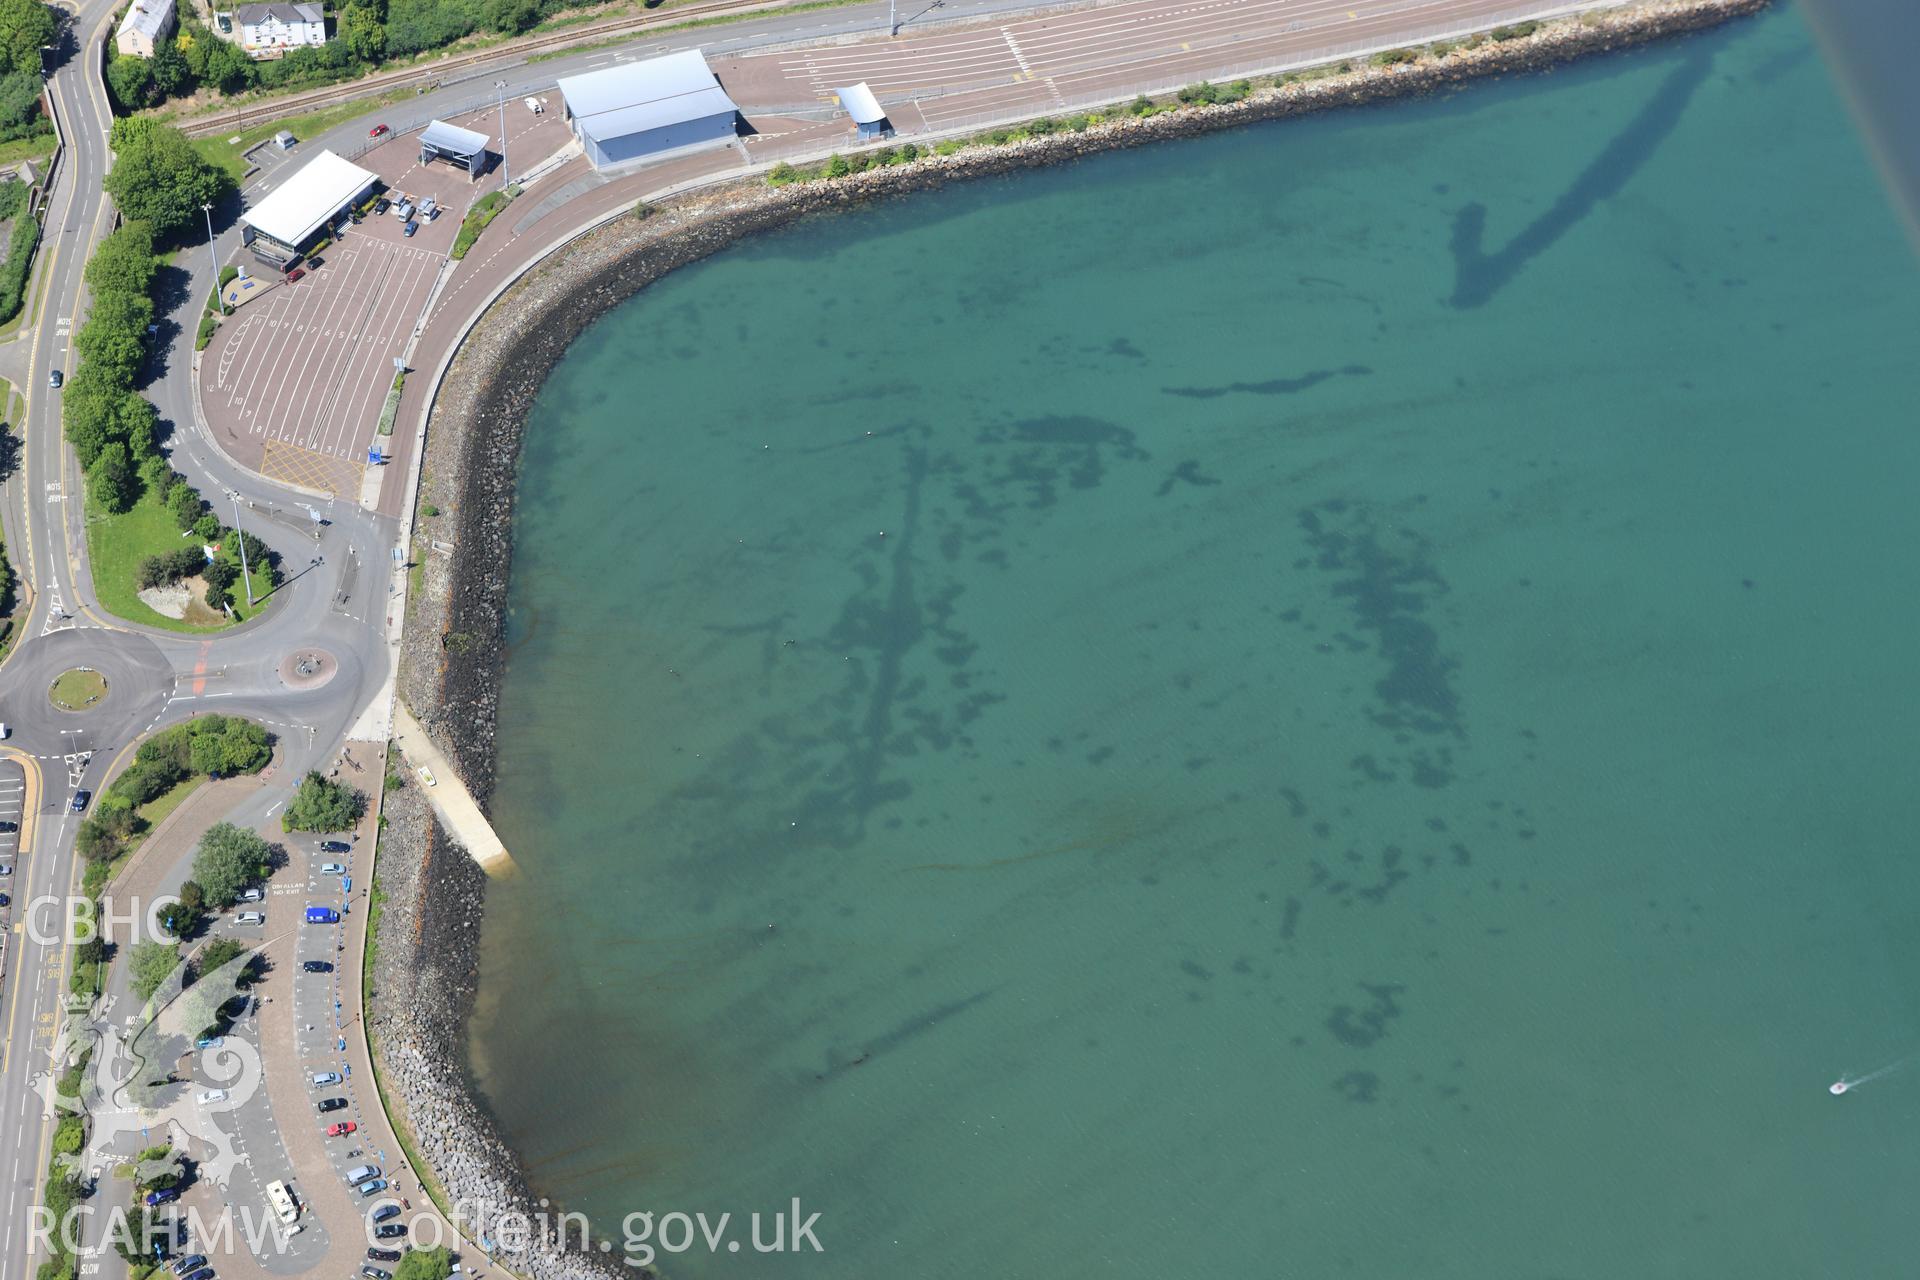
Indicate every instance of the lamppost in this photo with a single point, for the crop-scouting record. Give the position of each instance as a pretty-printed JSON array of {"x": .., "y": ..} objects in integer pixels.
[
  {"x": 240, "y": 535},
  {"x": 500, "y": 91},
  {"x": 213, "y": 257}
]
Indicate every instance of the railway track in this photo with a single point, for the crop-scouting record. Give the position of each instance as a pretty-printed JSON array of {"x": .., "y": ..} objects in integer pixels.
[{"x": 463, "y": 66}]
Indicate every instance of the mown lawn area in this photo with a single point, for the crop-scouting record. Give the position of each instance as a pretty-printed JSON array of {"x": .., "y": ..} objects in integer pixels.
[{"x": 118, "y": 543}]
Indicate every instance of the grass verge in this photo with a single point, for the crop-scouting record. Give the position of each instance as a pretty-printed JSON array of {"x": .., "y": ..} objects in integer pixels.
[
  {"x": 232, "y": 156},
  {"x": 37, "y": 148},
  {"x": 484, "y": 210},
  {"x": 117, "y": 545},
  {"x": 155, "y": 811}
]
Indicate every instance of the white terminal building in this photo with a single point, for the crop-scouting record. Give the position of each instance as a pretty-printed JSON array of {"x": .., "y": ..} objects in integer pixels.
[
  {"x": 280, "y": 228},
  {"x": 639, "y": 112}
]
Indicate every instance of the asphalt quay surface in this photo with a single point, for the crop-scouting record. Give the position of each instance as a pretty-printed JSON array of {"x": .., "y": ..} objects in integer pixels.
[{"x": 310, "y": 363}]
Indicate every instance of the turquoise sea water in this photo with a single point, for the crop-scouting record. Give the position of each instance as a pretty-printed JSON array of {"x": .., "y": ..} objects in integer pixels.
[{"x": 1378, "y": 739}]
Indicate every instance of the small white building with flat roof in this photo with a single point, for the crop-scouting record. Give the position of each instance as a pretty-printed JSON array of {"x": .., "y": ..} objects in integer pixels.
[
  {"x": 639, "y": 112},
  {"x": 281, "y": 226}
]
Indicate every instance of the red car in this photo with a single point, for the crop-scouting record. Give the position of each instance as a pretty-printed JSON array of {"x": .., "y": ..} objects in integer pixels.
[
  {"x": 298, "y": 273},
  {"x": 342, "y": 1129},
  {"x": 378, "y": 131}
]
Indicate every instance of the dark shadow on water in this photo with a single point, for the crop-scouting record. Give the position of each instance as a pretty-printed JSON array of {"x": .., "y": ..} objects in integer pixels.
[{"x": 1478, "y": 275}]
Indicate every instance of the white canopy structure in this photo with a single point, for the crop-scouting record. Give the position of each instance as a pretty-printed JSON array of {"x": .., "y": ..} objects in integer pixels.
[
  {"x": 464, "y": 147},
  {"x": 860, "y": 103}
]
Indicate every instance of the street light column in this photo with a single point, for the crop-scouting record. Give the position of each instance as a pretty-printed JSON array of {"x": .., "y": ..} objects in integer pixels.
[
  {"x": 240, "y": 534},
  {"x": 212, "y": 257},
  {"x": 500, "y": 87}
]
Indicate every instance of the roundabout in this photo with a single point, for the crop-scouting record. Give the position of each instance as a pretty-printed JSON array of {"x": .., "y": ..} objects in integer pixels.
[{"x": 84, "y": 689}]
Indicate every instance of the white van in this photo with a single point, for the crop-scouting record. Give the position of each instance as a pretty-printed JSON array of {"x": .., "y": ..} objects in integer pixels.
[
  {"x": 362, "y": 1173},
  {"x": 251, "y": 917}
]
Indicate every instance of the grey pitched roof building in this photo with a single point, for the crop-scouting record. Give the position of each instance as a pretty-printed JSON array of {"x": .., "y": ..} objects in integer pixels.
[{"x": 254, "y": 15}]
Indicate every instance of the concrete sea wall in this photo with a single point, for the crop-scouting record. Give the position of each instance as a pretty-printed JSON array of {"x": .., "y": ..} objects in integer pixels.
[{"x": 454, "y": 650}]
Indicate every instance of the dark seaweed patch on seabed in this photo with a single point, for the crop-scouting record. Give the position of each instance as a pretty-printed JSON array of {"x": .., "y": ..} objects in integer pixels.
[
  {"x": 1272, "y": 386},
  {"x": 1390, "y": 585}
]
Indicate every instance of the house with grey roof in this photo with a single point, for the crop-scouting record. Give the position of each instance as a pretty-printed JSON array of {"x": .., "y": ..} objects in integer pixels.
[
  {"x": 269, "y": 30},
  {"x": 145, "y": 27}
]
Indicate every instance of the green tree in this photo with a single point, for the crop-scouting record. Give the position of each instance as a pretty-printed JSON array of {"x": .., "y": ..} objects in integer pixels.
[
  {"x": 151, "y": 964},
  {"x": 115, "y": 334},
  {"x": 209, "y": 750},
  {"x": 20, "y": 92},
  {"x": 361, "y": 30},
  {"x": 228, "y": 860},
  {"x": 88, "y": 412},
  {"x": 511, "y": 17},
  {"x": 183, "y": 500},
  {"x": 323, "y": 805},
  {"x": 209, "y": 959},
  {"x": 220, "y": 576},
  {"x": 25, "y": 25},
  {"x": 105, "y": 833},
  {"x": 112, "y": 482},
  {"x": 126, "y": 129},
  {"x": 425, "y": 1264},
  {"x": 227, "y": 68},
  {"x": 171, "y": 75},
  {"x": 131, "y": 80},
  {"x": 154, "y": 474},
  {"x": 135, "y": 421},
  {"x": 124, "y": 261},
  {"x": 243, "y": 746},
  {"x": 162, "y": 180}
]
